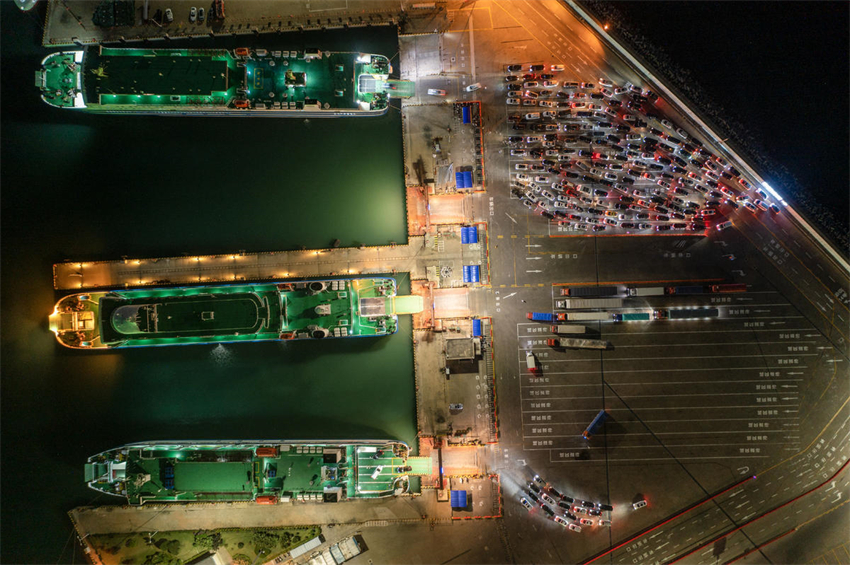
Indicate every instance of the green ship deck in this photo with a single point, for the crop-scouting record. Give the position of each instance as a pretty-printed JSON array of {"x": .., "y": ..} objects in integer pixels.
[
  {"x": 265, "y": 472},
  {"x": 219, "y": 82},
  {"x": 231, "y": 313}
]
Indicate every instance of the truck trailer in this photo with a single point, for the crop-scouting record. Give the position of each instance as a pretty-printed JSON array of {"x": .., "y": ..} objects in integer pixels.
[
  {"x": 574, "y": 343},
  {"x": 587, "y": 303},
  {"x": 582, "y": 316},
  {"x": 684, "y": 290},
  {"x": 587, "y": 291},
  {"x": 738, "y": 287},
  {"x": 574, "y": 329},
  {"x": 686, "y": 313},
  {"x": 647, "y": 291},
  {"x": 539, "y": 316},
  {"x": 632, "y": 317}
]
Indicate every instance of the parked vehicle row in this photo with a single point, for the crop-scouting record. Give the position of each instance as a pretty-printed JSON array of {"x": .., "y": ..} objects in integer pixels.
[{"x": 617, "y": 157}]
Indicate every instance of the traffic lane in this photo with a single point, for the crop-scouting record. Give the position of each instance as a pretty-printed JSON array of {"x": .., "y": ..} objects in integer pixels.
[
  {"x": 783, "y": 482},
  {"x": 794, "y": 514},
  {"x": 823, "y": 289},
  {"x": 799, "y": 288}
]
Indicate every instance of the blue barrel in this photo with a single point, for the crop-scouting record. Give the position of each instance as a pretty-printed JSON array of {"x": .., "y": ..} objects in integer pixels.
[
  {"x": 473, "y": 234},
  {"x": 474, "y": 273},
  {"x": 459, "y": 179},
  {"x": 476, "y": 327},
  {"x": 467, "y": 179},
  {"x": 467, "y": 275},
  {"x": 464, "y": 235},
  {"x": 466, "y": 118}
]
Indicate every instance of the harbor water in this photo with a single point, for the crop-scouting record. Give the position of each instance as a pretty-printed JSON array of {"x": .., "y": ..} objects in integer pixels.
[{"x": 90, "y": 187}]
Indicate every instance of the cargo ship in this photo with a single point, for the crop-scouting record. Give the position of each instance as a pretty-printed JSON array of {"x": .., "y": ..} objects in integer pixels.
[
  {"x": 219, "y": 82},
  {"x": 303, "y": 309},
  {"x": 261, "y": 471}
]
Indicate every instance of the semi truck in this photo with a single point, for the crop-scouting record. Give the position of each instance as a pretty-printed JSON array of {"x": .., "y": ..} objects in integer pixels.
[
  {"x": 582, "y": 316},
  {"x": 632, "y": 317},
  {"x": 595, "y": 425},
  {"x": 737, "y": 287},
  {"x": 589, "y": 291},
  {"x": 684, "y": 290},
  {"x": 573, "y": 343},
  {"x": 646, "y": 291},
  {"x": 685, "y": 313},
  {"x": 539, "y": 316},
  {"x": 586, "y": 303},
  {"x": 575, "y": 329}
]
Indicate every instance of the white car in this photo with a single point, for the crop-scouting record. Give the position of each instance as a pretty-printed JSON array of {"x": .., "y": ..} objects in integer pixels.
[
  {"x": 521, "y": 166},
  {"x": 557, "y": 68},
  {"x": 438, "y": 92},
  {"x": 377, "y": 471},
  {"x": 585, "y": 522},
  {"x": 514, "y": 101},
  {"x": 530, "y": 84},
  {"x": 639, "y": 504},
  {"x": 573, "y": 527},
  {"x": 526, "y": 503},
  {"x": 519, "y": 152},
  {"x": 550, "y": 83},
  {"x": 527, "y": 102},
  {"x": 723, "y": 226},
  {"x": 667, "y": 124},
  {"x": 548, "y": 195},
  {"x": 618, "y": 91},
  {"x": 473, "y": 87},
  {"x": 605, "y": 523},
  {"x": 512, "y": 94},
  {"x": 169, "y": 15},
  {"x": 523, "y": 177},
  {"x": 193, "y": 14},
  {"x": 531, "y": 94},
  {"x": 532, "y": 116},
  {"x": 682, "y": 132},
  {"x": 606, "y": 82},
  {"x": 606, "y": 92},
  {"x": 548, "y": 104},
  {"x": 751, "y": 207},
  {"x": 541, "y": 178},
  {"x": 560, "y": 520}
]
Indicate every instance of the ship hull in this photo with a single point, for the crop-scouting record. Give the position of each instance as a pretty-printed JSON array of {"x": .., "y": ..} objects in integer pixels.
[
  {"x": 294, "y": 310},
  {"x": 180, "y": 471}
]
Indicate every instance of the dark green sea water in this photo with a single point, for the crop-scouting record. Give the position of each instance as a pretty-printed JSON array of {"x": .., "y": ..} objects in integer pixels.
[{"x": 86, "y": 187}]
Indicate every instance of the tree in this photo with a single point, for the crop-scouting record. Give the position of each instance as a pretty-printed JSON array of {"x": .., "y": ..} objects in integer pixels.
[{"x": 264, "y": 541}]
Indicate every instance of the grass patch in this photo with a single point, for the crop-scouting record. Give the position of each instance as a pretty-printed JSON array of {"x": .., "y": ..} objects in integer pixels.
[{"x": 177, "y": 547}]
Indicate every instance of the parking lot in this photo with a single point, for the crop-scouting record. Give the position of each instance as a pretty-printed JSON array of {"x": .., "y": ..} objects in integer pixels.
[
  {"x": 595, "y": 156},
  {"x": 725, "y": 388}
]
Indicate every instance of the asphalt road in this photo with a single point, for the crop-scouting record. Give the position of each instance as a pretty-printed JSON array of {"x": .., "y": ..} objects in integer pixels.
[{"x": 695, "y": 405}]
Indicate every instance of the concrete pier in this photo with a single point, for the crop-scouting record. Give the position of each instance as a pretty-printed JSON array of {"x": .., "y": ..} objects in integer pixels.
[{"x": 441, "y": 251}]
